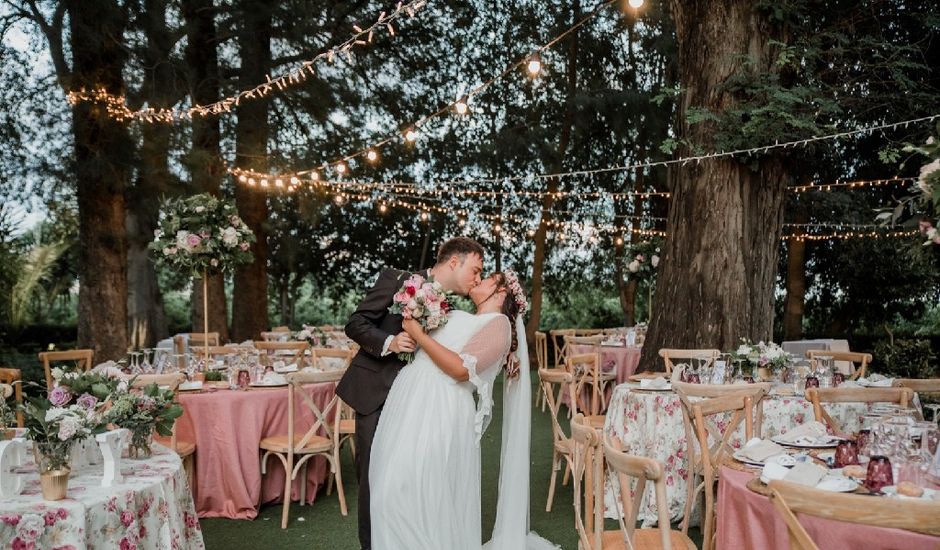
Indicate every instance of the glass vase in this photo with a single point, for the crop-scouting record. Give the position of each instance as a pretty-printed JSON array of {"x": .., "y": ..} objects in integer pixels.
[{"x": 141, "y": 445}]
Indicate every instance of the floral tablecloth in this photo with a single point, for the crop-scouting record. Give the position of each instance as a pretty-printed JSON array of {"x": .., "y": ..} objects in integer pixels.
[
  {"x": 622, "y": 360},
  {"x": 650, "y": 424},
  {"x": 152, "y": 508}
]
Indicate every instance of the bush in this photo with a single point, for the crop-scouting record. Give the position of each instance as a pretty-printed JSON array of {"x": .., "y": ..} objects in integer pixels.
[{"x": 905, "y": 359}]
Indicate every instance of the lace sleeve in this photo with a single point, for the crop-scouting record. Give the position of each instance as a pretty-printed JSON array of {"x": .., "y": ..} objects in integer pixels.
[{"x": 482, "y": 356}]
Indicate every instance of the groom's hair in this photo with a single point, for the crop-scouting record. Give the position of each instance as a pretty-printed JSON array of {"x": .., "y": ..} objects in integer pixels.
[{"x": 458, "y": 246}]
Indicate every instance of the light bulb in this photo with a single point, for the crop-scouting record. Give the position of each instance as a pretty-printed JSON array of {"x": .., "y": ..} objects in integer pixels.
[
  {"x": 264, "y": 182},
  {"x": 242, "y": 178},
  {"x": 338, "y": 199},
  {"x": 619, "y": 241},
  {"x": 372, "y": 156},
  {"x": 424, "y": 216},
  {"x": 497, "y": 228},
  {"x": 461, "y": 107},
  {"x": 382, "y": 208},
  {"x": 314, "y": 176},
  {"x": 635, "y": 4},
  {"x": 411, "y": 135},
  {"x": 251, "y": 181},
  {"x": 534, "y": 66},
  {"x": 461, "y": 222},
  {"x": 279, "y": 182},
  {"x": 530, "y": 233},
  {"x": 341, "y": 168},
  {"x": 295, "y": 180}
]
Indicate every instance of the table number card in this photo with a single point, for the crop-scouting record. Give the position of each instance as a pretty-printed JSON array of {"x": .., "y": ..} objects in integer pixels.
[
  {"x": 111, "y": 444},
  {"x": 11, "y": 458},
  {"x": 718, "y": 372}
]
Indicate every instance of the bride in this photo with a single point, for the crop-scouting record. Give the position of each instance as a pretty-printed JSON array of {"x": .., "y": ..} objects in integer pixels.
[{"x": 425, "y": 466}]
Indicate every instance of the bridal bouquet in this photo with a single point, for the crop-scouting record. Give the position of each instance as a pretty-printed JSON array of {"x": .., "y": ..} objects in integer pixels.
[{"x": 423, "y": 300}]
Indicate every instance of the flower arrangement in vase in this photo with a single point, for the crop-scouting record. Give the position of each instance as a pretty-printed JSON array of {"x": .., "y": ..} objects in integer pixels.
[
  {"x": 143, "y": 412},
  {"x": 762, "y": 355},
  {"x": 312, "y": 335}
]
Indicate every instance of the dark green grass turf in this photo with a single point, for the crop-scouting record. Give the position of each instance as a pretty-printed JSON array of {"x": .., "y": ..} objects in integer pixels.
[{"x": 321, "y": 526}]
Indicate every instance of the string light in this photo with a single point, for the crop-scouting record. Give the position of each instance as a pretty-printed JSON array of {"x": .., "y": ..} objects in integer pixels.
[
  {"x": 534, "y": 66},
  {"x": 849, "y": 184},
  {"x": 372, "y": 156},
  {"x": 411, "y": 135},
  {"x": 635, "y": 4},
  {"x": 341, "y": 168},
  {"x": 116, "y": 105},
  {"x": 383, "y": 208},
  {"x": 461, "y": 107}
]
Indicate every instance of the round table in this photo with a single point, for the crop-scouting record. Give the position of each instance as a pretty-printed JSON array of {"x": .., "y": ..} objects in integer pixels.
[
  {"x": 649, "y": 423},
  {"x": 749, "y": 520},
  {"x": 227, "y": 427},
  {"x": 152, "y": 508},
  {"x": 622, "y": 360}
]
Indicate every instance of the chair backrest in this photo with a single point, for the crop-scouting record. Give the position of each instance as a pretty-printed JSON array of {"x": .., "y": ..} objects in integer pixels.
[
  {"x": 919, "y": 385},
  {"x": 323, "y": 417},
  {"x": 587, "y": 476},
  {"x": 910, "y": 515},
  {"x": 541, "y": 350},
  {"x": 281, "y": 328},
  {"x": 549, "y": 379},
  {"x": 215, "y": 351},
  {"x": 588, "y": 331},
  {"x": 275, "y": 336},
  {"x": 171, "y": 381},
  {"x": 319, "y": 354},
  {"x": 193, "y": 339},
  {"x": 585, "y": 370},
  {"x": 558, "y": 342},
  {"x": 851, "y": 357},
  {"x": 818, "y": 396},
  {"x": 670, "y": 354},
  {"x": 268, "y": 351},
  {"x": 81, "y": 357},
  {"x": 627, "y": 467},
  {"x": 14, "y": 378},
  {"x": 585, "y": 340}
]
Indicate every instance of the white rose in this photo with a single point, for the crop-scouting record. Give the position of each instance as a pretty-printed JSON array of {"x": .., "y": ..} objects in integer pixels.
[
  {"x": 633, "y": 266},
  {"x": 57, "y": 373},
  {"x": 230, "y": 236},
  {"x": 68, "y": 427},
  {"x": 55, "y": 412},
  {"x": 182, "y": 239},
  {"x": 157, "y": 233},
  {"x": 654, "y": 260},
  {"x": 925, "y": 171},
  {"x": 200, "y": 209},
  {"x": 744, "y": 349}
]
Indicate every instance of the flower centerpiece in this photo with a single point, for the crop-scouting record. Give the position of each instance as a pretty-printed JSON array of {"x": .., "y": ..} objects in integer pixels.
[
  {"x": 312, "y": 335},
  {"x": 54, "y": 423},
  {"x": 762, "y": 355},
  {"x": 423, "y": 300},
  {"x": 143, "y": 412},
  {"x": 202, "y": 235},
  {"x": 100, "y": 382}
]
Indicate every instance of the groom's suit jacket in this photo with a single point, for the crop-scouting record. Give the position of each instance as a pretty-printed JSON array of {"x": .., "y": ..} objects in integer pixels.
[{"x": 370, "y": 375}]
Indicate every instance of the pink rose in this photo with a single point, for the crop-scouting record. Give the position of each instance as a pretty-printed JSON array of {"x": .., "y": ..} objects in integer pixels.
[
  {"x": 10, "y": 519},
  {"x": 50, "y": 518},
  {"x": 127, "y": 544},
  {"x": 193, "y": 240},
  {"x": 244, "y": 247},
  {"x": 127, "y": 517},
  {"x": 20, "y": 544}
]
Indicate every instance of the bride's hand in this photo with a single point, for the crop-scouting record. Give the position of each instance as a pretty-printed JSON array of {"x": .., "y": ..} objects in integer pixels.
[{"x": 413, "y": 328}]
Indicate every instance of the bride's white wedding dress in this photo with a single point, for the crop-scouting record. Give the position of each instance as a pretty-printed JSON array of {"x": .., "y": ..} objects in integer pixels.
[{"x": 425, "y": 465}]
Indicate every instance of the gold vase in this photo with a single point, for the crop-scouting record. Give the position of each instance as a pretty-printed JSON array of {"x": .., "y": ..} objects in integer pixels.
[{"x": 55, "y": 484}]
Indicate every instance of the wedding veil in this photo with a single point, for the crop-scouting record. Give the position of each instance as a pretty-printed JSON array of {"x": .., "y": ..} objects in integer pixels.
[{"x": 511, "y": 530}]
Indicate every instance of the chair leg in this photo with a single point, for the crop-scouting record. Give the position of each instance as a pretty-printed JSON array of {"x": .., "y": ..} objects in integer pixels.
[
  {"x": 339, "y": 485},
  {"x": 287, "y": 482},
  {"x": 708, "y": 520},
  {"x": 303, "y": 483},
  {"x": 551, "y": 483},
  {"x": 567, "y": 474},
  {"x": 689, "y": 493}
]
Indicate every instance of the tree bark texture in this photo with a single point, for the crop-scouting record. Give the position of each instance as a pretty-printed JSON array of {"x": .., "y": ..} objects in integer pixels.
[
  {"x": 103, "y": 150},
  {"x": 564, "y": 138},
  {"x": 796, "y": 284},
  {"x": 205, "y": 159},
  {"x": 250, "y": 303},
  {"x": 717, "y": 276}
]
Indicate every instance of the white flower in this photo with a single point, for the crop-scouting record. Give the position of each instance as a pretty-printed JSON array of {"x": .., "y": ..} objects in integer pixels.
[
  {"x": 55, "y": 412},
  {"x": 230, "y": 237},
  {"x": 633, "y": 266},
  {"x": 168, "y": 251},
  {"x": 182, "y": 239},
  {"x": 57, "y": 373},
  {"x": 157, "y": 233},
  {"x": 30, "y": 527},
  {"x": 925, "y": 171},
  {"x": 68, "y": 427},
  {"x": 744, "y": 349},
  {"x": 200, "y": 209},
  {"x": 654, "y": 261}
]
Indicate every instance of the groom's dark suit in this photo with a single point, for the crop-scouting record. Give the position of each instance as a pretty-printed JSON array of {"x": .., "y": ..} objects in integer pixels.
[{"x": 370, "y": 375}]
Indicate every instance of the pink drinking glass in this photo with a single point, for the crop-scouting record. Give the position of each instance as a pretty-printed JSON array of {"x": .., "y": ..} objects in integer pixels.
[
  {"x": 812, "y": 382},
  {"x": 837, "y": 379},
  {"x": 846, "y": 453},
  {"x": 879, "y": 473}
]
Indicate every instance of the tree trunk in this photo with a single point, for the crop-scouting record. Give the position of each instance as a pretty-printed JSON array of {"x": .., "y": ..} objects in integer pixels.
[
  {"x": 250, "y": 306},
  {"x": 796, "y": 284},
  {"x": 541, "y": 233},
  {"x": 716, "y": 278},
  {"x": 205, "y": 159},
  {"x": 147, "y": 319},
  {"x": 102, "y": 150}
]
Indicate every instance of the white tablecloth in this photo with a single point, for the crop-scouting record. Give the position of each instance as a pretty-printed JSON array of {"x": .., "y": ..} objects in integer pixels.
[{"x": 152, "y": 508}]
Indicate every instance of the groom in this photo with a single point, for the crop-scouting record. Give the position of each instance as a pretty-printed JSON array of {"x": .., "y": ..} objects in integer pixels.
[{"x": 380, "y": 337}]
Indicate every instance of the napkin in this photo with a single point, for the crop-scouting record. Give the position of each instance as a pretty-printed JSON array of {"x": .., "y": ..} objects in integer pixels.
[
  {"x": 658, "y": 383},
  {"x": 760, "y": 450},
  {"x": 191, "y": 385},
  {"x": 279, "y": 366},
  {"x": 806, "y": 473},
  {"x": 273, "y": 378},
  {"x": 806, "y": 434},
  {"x": 772, "y": 470},
  {"x": 876, "y": 381}
]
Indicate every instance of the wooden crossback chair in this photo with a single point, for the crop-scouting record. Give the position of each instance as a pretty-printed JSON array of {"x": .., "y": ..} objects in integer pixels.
[
  {"x": 193, "y": 340},
  {"x": 586, "y": 374},
  {"x": 817, "y": 396},
  {"x": 789, "y": 499},
  {"x": 559, "y": 344},
  {"x": 587, "y": 475},
  {"x": 185, "y": 449},
  {"x": 561, "y": 443},
  {"x": 275, "y": 336},
  {"x": 308, "y": 443},
  {"x": 344, "y": 422},
  {"x": 541, "y": 362},
  {"x": 919, "y": 385},
  {"x": 709, "y": 446},
  {"x": 670, "y": 354},
  {"x": 624, "y": 468},
  {"x": 852, "y": 357},
  {"x": 14, "y": 378},
  {"x": 268, "y": 352},
  {"x": 82, "y": 359}
]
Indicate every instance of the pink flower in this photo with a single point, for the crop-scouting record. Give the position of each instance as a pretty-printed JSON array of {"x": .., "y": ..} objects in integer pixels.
[
  {"x": 193, "y": 240},
  {"x": 191, "y": 520},
  {"x": 127, "y": 517},
  {"x": 59, "y": 396},
  {"x": 19, "y": 544},
  {"x": 87, "y": 401},
  {"x": 146, "y": 403},
  {"x": 50, "y": 518},
  {"x": 126, "y": 544},
  {"x": 244, "y": 247},
  {"x": 10, "y": 519}
]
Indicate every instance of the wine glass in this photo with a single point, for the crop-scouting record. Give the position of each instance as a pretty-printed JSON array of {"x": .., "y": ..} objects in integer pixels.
[{"x": 145, "y": 365}]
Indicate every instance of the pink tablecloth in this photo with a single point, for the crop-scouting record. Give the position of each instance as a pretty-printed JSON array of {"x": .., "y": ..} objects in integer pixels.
[
  {"x": 747, "y": 520},
  {"x": 227, "y": 427},
  {"x": 620, "y": 359}
]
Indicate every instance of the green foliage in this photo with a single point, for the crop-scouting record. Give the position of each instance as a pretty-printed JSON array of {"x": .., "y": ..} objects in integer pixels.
[
  {"x": 905, "y": 358},
  {"x": 145, "y": 410}
]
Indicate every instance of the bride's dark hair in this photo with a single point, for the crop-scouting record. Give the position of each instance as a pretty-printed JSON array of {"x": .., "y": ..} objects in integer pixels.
[{"x": 510, "y": 308}]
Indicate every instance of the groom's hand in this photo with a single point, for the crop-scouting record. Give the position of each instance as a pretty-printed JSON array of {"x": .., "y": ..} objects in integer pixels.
[{"x": 402, "y": 343}]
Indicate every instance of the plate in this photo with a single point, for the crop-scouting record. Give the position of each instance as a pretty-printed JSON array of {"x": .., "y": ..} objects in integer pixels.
[
  {"x": 668, "y": 387},
  {"x": 264, "y": 385},
  {"x": 929, "y": 494},
  {"x": 190, "y": 386},
  {"x": 832, "y": 442},
  {"x": 784, "y": 460},
  {"x": 837, "y": 484}
]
